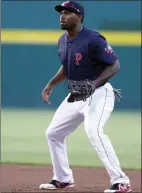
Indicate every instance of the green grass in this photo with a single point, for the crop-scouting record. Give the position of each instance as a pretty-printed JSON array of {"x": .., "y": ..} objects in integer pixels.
[{"x": 23, "y": 139}]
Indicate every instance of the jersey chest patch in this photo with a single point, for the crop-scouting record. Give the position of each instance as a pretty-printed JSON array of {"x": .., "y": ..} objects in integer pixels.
[
  {"x": 78, "y": 57},
  {"x": 78, "y": 54},
  {"x": 75, "y": 55}
]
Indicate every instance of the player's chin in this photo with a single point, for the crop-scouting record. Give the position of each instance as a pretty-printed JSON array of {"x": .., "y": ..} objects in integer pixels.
[{"x": 64, "y": 27}]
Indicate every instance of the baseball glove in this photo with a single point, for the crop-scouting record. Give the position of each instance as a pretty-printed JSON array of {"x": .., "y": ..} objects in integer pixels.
[{"x": 80, "y": 90}]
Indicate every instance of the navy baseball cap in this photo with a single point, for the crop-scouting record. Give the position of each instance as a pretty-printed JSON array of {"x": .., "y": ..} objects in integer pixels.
[{"x": 71, "y": 6}]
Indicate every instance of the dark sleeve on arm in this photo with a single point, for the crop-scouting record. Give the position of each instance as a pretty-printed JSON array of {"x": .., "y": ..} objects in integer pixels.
[
  {"x": 58, "y": 46},
  {"x": 61, "y": 49},
  {"x": 101, "y": 51}
]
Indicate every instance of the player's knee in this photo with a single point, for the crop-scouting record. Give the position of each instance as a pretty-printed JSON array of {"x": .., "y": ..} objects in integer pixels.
[{"x": 50, "y": 134}]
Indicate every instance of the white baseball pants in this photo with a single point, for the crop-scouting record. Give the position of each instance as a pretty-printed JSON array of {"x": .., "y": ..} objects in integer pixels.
[{"x": 95, "y": 114}]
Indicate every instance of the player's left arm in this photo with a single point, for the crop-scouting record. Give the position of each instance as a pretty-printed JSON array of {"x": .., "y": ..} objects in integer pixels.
[
  {"x": 108, "y": 73},
  {"x": 104, "y": 54}
]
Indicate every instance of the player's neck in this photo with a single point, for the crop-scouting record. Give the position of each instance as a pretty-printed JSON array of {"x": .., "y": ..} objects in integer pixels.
[{"x": 74, "y": 32}]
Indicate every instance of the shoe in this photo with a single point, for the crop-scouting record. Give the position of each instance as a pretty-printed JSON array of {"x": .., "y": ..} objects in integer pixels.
[
  {"x": 117, "y": 188},
  {"x": 54, "y": 184}
]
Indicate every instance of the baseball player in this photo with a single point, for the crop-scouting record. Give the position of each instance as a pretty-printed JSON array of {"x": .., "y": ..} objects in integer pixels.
[{"x": 88, "y": 62}]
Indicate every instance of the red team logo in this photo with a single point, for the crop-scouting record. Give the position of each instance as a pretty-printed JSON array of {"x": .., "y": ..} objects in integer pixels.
[
  {"x": 78, "y": 58},
  {"x": 109, "y": 50},
  {"x": 67, "y": 3}
]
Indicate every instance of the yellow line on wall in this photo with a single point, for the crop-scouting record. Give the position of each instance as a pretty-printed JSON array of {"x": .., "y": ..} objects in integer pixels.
[{"x": 120, "y": 38}]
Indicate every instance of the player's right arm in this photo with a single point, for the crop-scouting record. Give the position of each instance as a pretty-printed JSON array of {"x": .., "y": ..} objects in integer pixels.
[{"x": 59, "y": 77}]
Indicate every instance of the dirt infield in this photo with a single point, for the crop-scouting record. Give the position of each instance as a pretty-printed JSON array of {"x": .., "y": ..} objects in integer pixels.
[{"x": 25, "y": 178}]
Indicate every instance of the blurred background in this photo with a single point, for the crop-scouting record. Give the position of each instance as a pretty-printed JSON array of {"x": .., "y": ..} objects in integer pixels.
[{"x": 30, "y": 30}]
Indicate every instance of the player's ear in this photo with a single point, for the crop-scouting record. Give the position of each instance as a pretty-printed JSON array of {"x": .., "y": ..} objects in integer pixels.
[{"x": 80, "y": 18}]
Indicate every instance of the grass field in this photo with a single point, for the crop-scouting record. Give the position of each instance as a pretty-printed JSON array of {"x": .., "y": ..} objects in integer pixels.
[{"x": 23, "y": 139}]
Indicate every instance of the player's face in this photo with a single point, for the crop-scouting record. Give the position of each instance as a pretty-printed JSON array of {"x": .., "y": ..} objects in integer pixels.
[{"x": 68, "y": 20}]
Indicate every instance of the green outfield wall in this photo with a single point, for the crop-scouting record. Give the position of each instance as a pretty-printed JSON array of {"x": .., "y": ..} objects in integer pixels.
[{"x": 30, "y": 30}]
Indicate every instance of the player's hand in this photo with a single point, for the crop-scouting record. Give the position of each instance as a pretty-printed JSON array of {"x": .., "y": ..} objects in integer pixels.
[{"x": 46, "y": 93}]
